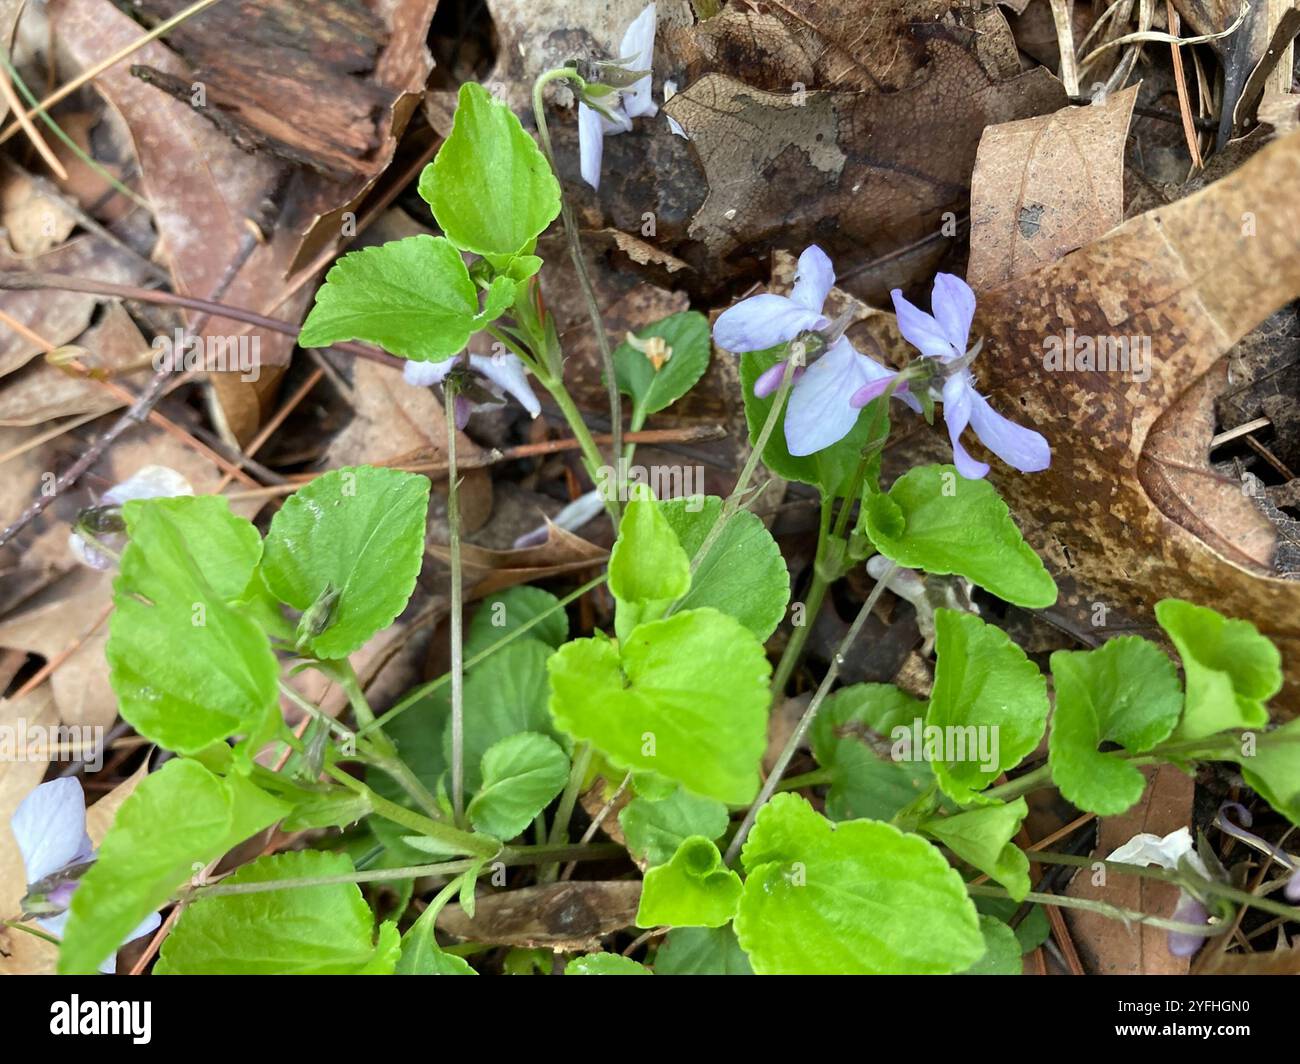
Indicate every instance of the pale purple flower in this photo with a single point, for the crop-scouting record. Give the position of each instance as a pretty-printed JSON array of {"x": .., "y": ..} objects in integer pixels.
[
  {"x": 612, "y": 113},
  {"x": 50, "y": 828},
  {"x": 504, "y": 374},
  {"x": 1240, "y": 831},
  {"x": 1169, "y": 852},
  {"x": 148, "y": 482},
  {"x": 943, "y": 335},
  {"x": 819, "y": 411}
]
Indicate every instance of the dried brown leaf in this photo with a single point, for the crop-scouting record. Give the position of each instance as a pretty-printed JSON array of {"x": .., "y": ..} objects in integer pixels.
[{"x": 1046, "y": 185}]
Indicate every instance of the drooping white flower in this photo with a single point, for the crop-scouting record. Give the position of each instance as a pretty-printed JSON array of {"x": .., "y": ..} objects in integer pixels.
[
  {"x": 611, "y": 113},
  {"x": 148, "y": 482}
]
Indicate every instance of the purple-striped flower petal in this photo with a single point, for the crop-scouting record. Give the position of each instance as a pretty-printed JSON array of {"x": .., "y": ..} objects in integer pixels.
[
  {"x": 814, "y": 279},
  {"x": 1021, "y": 448},
  {"x": 591, "y": 144},
  {"x": 763, "y": 321},
  {"x": 921, "y": 330},
  {"x": 507, "y": 373},
  {"x": 957, "y": 394},
  {"x": 50, "y": 828},
  {"x": 953, "y": 304}
]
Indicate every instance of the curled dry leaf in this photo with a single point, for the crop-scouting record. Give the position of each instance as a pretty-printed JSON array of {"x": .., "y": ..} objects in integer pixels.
[
  {"x": 487, "y": 570},
  {"x": 1046, "y": 185},
  {"x": 1186, "y": 281}
]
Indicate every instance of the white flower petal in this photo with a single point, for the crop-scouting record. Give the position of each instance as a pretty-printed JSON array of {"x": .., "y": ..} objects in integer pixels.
[
  {"x": 920, "y": 329},
  {"x": 508, "y": 374},
  {"x": 819, "y": 413},
  {"x": 953, "y": 304},
  {"x": 638, "y": 49},
  {"x": 591, "y": 144},
  {"x": 1147, "y": 849},
  {"x": 50, "y": 827},
  {"x": 148, "y": 482},
  {"x": 425, "y": 374},
  {"x": 674, "y": 126},
  {"x": 1021, "y": 448},
  {"x": 957, "y": 392},
  {"x": 763, "y": 321},
  {"x": 814, "y": 279}
]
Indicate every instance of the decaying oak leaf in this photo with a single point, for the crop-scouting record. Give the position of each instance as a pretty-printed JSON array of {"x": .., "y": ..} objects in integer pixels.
[
  {"x": 868, "y": 42},
  {"x": 1044, "y": 186},
  {"x": 857, "y": 172},
  {"x": 1187, "y": 281},
  {"x": 561, "y": 916},
  {"x": 1109, "y": 947}
]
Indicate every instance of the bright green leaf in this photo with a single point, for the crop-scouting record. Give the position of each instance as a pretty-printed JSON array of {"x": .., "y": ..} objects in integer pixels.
[
  {"x": 327, "y": 929},
  {"x": 935, "y": 520},
  {"x": 358, "y": 531},
  {"x": 412, "y": 297},
  {"x": 982, "y": 836},
  {"x": 1272, "y": 767},
  {"x": 694, "y": 889},
  {"x": 651, "y": 390},
  {"x": 179, "y": 818},
  {"x": 654, "y": 828},
  {"x": 605, "y": 964},
  {"x": 489, "y": 186},
  {"x": 1001, "y": 950},
  {"x": 744, "y": 574},
  {"x": 853, "y": 736},
  {"x": 648, "y": 570},
  {"x": 1125, "y": 692},
  {"x": 856, "y": 898},
  {"x": 685, "y": 697},
  {"x": 989, "y": 704},
  {"x": 521, "y": 775},
  {"x": 187, "y": 669},
  {"x": 503, "y": 612},
  {"x": 1231, "y": 669},
  {"x": 701, "y": 951}
]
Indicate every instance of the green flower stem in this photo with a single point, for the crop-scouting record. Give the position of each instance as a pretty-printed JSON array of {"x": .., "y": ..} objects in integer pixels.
[
  {"x": 346, "y": 677},
  {"x": 733, "y": 501},
  {"x": 457, "y": 636},
  {"x": 1114, "y": 912},
  {"x": 580, "y": 265},
  {"x": 812, "y": 607},
  {"x": 342, "y": 730},
  {"x": 590, "y": 452},
  {"x": 424, "y": 690},
  {"x": 1165, "y": 875},
  {"x": 510, "y": 856},
  {"x": 453, "y": 838},
  {"x": 424, "y": 924},
  {"x": 805, "y": 722},
  {"x": 564, "y": 811}
]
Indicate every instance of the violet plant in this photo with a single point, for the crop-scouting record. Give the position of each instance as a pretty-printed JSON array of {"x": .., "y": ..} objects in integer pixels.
[{"x": 479, "y": 771}]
